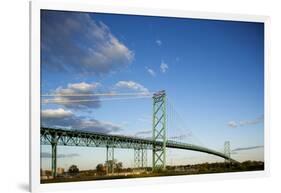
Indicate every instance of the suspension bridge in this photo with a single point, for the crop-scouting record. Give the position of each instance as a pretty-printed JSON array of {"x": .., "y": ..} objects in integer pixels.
[{"x": 158, "y": 143}]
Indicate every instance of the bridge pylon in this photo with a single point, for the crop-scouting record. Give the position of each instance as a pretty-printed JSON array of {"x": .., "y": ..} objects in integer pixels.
[
  {"x": 144, "y": 158},
  {"x": 110, "y": 162},
  {"x": 227, "y": 150},
  {"x": 54, "y": 140},
  {"x": 140, "y": 158},
  {"x": 159, "y": 131}
]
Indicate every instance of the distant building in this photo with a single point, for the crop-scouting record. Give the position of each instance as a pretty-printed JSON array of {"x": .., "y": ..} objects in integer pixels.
[
  {"x": 46, "y": 174},
  {"x": 60, "y": 171}
]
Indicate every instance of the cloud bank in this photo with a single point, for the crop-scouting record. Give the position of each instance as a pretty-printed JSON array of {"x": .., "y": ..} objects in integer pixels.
[
  {"x": 247, "y": 148},
  {"x": 131, "y": 85},
  {"x": 49, "y": 155},
  {"x": 234, "y": 124},
  {"x": 60, "y": 118},
  {"x": 74, "y": 96},
  {"x": 75, "y": 42},
  {"x": 144, "y": 132}
]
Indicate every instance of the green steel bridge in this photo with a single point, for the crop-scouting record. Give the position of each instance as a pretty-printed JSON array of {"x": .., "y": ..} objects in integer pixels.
[{"x": 158, "y": 143}]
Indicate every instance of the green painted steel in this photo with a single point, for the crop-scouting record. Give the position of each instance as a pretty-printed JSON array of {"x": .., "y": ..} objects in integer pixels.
[
  {"x": 53, "y": 143},
  {"x": 54, "y": 160},
  {"x": 137, "y": 158},
  {"x": 140, "y": 158},
  {"x": 144, "y": 158},
  {"x": 159, "y": 131},
  {"x": 227, "y": 150},
  {"x": 110, "y": 161},
  {"x": 92, "y": 139}
]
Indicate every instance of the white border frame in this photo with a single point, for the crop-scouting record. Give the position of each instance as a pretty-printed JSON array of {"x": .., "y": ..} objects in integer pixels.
[{"x": 86, "y": 6}]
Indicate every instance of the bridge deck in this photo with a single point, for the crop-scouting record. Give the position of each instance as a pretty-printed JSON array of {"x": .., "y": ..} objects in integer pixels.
[{"x": 92, "y": 139}]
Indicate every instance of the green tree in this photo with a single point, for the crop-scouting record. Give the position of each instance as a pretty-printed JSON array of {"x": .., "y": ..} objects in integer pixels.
[
  {"x": 119, "y": 166},
  {"x": 112, "y": 164},
  {"x": 73, "y": 170},
  {"x": 100, "y": 169}
]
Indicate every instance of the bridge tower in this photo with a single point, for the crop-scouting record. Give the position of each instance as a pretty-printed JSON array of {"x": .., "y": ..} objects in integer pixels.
[
  {"x": 54, "y": 141},
  {"x": 110, "y": 159},
  {"x": 159, "y": 131},
  {"x": 227, "y": 150}
]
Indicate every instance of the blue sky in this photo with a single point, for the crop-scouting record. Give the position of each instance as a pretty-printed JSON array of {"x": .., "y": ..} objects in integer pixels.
[{"x": 212, "y": 71}]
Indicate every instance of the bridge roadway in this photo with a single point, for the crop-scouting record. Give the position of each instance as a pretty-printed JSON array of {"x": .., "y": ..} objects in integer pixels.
[{"x": 92, "y": 139}]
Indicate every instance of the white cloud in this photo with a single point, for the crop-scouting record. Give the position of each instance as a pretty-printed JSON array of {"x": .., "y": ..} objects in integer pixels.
[
  {"x": 150, "y": 71},
  {"x": 180, "y": 137},
  {"x": 82, "y": 87},
  {"x": 232, "y": 124},
  {"x": 49, "y": 155},
  {"x": 98, "y": 126},
  {"x": 163, "y": 67},
  {"x": 57, "y": 118},
  {"x": 158, "y": 42},
  {"x": 60, "y": 118},
  {"x": 255, "y": 121},
  {"x": 247, "y": 148},
  {"x": 56, "y": 113},
  {"x": 144, "y": 132},
  {"x": 251, "y": 122},
  {"x": 69, "y": 96},
  {"x": 75, "y": 42},
  {"x": 131, "y": 85}
]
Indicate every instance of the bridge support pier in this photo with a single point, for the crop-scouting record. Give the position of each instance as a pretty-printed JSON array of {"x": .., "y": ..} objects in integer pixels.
[
  {"x": 110, "y": 162},
  {"x": 227, "y": 150},
  {"x": 144, "y": 158},
  {"x": 54, "y": 155},
  {"x": 159, "y": 131},
  {"x": 140, "y": 158},
  {"x": 137, "y": 158}
]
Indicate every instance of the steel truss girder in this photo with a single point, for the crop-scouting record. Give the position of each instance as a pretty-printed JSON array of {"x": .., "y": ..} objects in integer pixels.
[
  {"x": 73, "y": 138},
  {"x": 54, "y": 137},
  {"x": 128, "y": 142}
]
